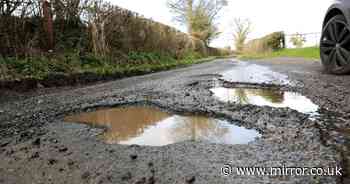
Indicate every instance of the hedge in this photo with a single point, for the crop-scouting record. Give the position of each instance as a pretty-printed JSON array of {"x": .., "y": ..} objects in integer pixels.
[{"x": 271, "y": 42}]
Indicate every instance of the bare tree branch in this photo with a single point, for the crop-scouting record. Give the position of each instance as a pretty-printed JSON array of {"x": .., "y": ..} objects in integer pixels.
[{"x": 242, "y": 28}]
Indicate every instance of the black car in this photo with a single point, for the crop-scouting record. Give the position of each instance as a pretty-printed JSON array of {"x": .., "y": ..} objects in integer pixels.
[{"x": 335, "y": 39}]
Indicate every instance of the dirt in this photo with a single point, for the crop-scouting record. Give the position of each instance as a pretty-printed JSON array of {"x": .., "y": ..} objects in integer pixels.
[{"x": 37, "y": 146}]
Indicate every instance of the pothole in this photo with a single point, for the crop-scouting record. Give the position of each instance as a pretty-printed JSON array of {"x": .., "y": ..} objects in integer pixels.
[
  {"x": 266, "y": 97},
  {"x": 245, "y": 72},
  {"x": 142, "y": 125}
]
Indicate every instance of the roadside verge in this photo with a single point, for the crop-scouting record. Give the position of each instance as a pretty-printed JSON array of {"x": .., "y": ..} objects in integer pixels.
[{"x": 63, "y": 79}]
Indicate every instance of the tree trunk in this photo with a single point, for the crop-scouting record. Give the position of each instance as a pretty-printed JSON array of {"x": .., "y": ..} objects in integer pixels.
[
  {"x": 103, "y": 39},
  {"x": 189, "y": 16},
  {"x": 48, "y": 27},
  {"x": 94, "y": 37}
]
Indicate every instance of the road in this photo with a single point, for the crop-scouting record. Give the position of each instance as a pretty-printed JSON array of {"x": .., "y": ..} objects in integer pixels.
[{"x": 37, "y": 146}]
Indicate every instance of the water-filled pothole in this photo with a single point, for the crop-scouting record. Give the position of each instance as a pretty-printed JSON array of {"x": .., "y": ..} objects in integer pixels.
[
  {"x": 142, "y": 125},
  {"x": 266, "y": 97},
  {"x": 245, "y": 72}
]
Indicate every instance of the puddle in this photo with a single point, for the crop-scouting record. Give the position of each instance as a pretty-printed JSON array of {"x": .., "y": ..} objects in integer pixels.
[
  {"x": 150, "y": 126},
  {"x": 266, "y": 97},
  {"x": 245, "y": 72}
]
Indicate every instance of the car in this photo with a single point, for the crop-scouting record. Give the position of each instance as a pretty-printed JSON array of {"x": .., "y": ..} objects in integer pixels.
[{"x": 335, "y": 38}]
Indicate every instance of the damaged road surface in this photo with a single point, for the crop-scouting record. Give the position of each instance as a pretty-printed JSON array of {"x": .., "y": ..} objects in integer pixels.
[{"x": 191, "y": 125}]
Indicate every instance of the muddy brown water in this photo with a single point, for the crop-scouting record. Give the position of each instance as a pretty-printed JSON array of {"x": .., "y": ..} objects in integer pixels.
[
  {"x": 142, "y": 125},
  {"x": 266, "y": 97}
]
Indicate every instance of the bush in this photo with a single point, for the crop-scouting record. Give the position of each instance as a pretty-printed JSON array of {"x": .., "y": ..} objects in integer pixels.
[
  {"x": 271, "y": 42},
  {"x": 27, "y": 68},
  {"x": 133, "y": 44},
  {"x": 91, "y": 61},
  {"x": 127, "y": 32},
  {"x": 148, "y": 58},
  {"x": 4, "y": 71},
  {"x": 275, "y": 40}
]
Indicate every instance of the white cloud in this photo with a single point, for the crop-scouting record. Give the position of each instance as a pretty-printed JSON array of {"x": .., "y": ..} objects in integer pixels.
[{"x": 267, "y": 16}]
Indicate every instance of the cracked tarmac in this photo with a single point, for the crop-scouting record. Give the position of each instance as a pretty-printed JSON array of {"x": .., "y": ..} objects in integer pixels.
[{"x": 37, "y": 146}]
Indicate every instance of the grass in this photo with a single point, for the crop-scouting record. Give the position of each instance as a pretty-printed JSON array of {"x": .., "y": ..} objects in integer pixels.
[
  {"x": 40, "y": 68},
  {"x": 307, "y": 53}
]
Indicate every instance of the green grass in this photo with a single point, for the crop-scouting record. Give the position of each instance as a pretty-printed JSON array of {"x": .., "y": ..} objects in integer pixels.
[
  {"x": 307, "y": 53},
  {"x": 135, "y": 63}
]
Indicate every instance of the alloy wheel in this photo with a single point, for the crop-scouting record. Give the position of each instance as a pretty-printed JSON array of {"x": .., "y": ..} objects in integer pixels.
[{"x": 335, "y": 44}]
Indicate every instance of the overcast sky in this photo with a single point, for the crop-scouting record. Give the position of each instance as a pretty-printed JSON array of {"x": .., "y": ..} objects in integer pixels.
[{"x": 267, "y": 16}]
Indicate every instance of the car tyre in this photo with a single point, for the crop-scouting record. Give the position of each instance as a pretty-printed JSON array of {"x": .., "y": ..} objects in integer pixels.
[{"x": 335, "y": 46}]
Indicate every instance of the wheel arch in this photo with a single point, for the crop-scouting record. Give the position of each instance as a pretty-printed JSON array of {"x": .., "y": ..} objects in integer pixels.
[{"x": 334, "y": 10}]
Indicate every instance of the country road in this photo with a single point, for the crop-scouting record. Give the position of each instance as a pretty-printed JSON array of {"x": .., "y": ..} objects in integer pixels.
[{"x": 302, "y": 116}]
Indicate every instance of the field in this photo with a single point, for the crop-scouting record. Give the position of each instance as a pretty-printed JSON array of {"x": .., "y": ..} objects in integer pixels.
[{"x": 307, "y": 53}]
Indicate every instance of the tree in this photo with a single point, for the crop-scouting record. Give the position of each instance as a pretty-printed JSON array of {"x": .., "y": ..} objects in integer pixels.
[
  {"x": 20, "y": 8},
  {"x": 202, "y": 27},
  {"x": 48, "y": 27},
  {"x": 298, "y": 40},
  {"x": 199, "y": 16},
  {"x": 242, "y": 28},
  {"x": 69, "y": 10},
  {"x": 8, "y": 7},
  {"x": 98, "y": 14},
  {"x": 20, "y": 26},
  {"x": 183, "y": 11}
]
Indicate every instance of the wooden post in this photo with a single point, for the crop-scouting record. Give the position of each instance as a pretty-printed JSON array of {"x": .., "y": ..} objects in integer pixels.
[{"x": 48, "y": 25}]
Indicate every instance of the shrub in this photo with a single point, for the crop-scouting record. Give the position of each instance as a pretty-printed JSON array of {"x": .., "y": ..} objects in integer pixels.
[
  {"x": 275, "y": 40},
  {"x": 130, "y": 43},
  {"x": 28, "y": 67},
  {"x": 4, "y": 71},
  {"x": 271, "y": 42}
]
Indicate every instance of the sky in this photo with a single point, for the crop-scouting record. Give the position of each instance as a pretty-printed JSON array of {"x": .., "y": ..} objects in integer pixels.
[{"x": 267, "y": 16}]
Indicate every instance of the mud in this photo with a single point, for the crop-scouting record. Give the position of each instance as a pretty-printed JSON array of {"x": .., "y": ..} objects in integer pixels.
[{"x": 38, "y": 146}]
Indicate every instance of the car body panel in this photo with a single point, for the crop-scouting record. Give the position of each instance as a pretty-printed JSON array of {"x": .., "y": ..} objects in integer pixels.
[{"x": 343, "y": 6}]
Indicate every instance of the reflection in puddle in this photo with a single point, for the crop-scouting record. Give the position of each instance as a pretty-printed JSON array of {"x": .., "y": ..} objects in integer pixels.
[
  {"x": 150, "y": 126},
  {"x": 245, "y": 72},
  {"x": 266, "y": 97}
]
